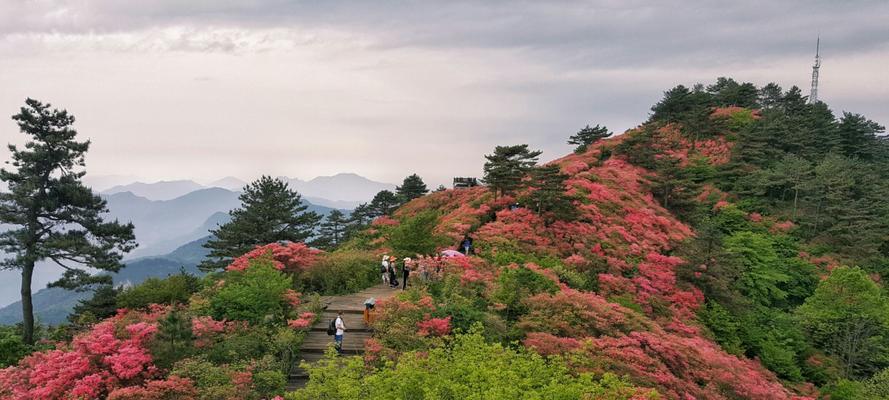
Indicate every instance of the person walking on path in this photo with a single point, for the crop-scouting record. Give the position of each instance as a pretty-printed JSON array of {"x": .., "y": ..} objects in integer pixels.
[
  {"x": 340, "y": 330},
  {"x": 393, "y": 280},
  {"x": 384, "y": 269},
  {"x": 405, "y": 271}
]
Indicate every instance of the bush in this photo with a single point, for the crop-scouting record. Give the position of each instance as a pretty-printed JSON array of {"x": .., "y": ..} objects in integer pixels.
[
  {"x": 253, "y": 295},
  {"x": 173, "y": 289},
  {"x": 12, "y": 349},
  {"x": 468, "y": 368},
  {"x": 414, "y": 235},
  {"x": 340, "y": 272},
  {"x": 515, "y": 285}
]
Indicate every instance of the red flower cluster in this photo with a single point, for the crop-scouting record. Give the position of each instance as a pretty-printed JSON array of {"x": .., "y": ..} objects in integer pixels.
[
  {"x": 96, "y": 363},
  {"x": 434, "y": 326},
  {"x": 289, "y": 257}
]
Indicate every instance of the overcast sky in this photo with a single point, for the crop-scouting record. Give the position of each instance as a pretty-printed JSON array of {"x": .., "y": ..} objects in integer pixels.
[{"x": 203, "y": 89}]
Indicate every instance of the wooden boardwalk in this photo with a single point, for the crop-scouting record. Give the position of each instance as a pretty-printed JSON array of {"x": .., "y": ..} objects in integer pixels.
[{"x": 317, "y": 340}]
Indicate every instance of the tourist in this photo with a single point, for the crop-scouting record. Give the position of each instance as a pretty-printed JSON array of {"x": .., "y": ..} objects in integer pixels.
[
  {"x": 405, "y": 271},
  {"x": 393, "y": 280},
  {"x": 340, "y": 330},
  {"x": 466, "y": 245},
  {"x": 384, "y": 269}
]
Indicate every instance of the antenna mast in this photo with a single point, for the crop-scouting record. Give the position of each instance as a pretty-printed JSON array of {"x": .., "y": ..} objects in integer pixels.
[{"x": 813, "y": 94}]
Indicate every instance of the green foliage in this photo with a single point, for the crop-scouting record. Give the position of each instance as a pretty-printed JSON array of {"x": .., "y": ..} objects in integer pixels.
[
  {"x": 414, "y": 235},
  {"x": 269, "y": 383},
  {"x": 253, "y": 295},
  {"x": 514, "y": 285},
  {"x": 848, "y": 316},
  {"x": 332, "y": 232},
  {"x": 173, "y": 341},
  {"x": 12, "y": 348},
  {"x": 270, "y": 212},
  {"x": 101, "y": 305},
  {"x": 547, "y": 196},
  {"x": 507, "y": 166},
  {"x": 412, "y": 188},
  {"x": 340, "y": 272},
  {"x": 724, "y": 325},
  {"x": 468, "y": 368},
  {"x": 52, "y": 215},
  {"x": 587, "y": 136},
  {"x": 383, "y": 203},
  {"x": 763, "y": 275},
  {"x": 174, "y": 289}
]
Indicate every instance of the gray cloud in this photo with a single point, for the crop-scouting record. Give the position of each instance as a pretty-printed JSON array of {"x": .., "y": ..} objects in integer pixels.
[{"x": 189, "y": 85}]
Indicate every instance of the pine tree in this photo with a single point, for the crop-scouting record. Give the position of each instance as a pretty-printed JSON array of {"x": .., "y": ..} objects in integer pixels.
[
  {"x": 384, "y": 203},
  {"x": 270, "y": 212},
  {"x": 412, "y": 187},
  {"x": 505, "y": 169},
  {"x": 587, "y": 136},
  {"x": 332, "y": 231},
  {"x": 101, "y": 305},
  {"x": 53, "y": 215},
  {"x": 548, "y": 196}
]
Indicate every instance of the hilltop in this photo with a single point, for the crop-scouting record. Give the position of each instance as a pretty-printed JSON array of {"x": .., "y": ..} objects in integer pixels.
[{"x": 730, "y": 247}]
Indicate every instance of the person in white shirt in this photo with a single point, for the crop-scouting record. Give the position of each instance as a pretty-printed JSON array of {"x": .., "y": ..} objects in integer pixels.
[
  {"x": 340, "y": 330},
  {"x": 384, "y": 269}
]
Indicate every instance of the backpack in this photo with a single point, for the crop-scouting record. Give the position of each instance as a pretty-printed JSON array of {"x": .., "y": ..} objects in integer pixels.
[{"x": 331, "y": 329}]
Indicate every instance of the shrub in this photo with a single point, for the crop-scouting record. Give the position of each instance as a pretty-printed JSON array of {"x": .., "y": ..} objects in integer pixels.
[
  {"x": 173, "y": 289},
  {"x": 515, "y": 285},
  {"x": 468, "y": 368},
  {"x": 12, "y": 349},
  {"x": 254, "y": 295},
  {"x": 343, "y": 271},
  {"x": 415, "y": 235}
]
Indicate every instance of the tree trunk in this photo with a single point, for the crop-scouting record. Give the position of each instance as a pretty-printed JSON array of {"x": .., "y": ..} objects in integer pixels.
[{"x": 27, "y": 306}]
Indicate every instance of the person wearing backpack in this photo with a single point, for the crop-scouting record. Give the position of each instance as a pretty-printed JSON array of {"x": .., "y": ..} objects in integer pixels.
[
  {"x": 384, "y": 269},
  {"x": 340, "y": 331}
]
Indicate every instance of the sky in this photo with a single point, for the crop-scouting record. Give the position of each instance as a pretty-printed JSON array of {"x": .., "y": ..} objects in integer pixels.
[{"x": 203, "y": 89}]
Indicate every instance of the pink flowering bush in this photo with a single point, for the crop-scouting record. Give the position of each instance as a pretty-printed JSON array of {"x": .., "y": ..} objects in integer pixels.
[
  {"x": 111, "y": 355},
  {"x": 289, "y": 257}
]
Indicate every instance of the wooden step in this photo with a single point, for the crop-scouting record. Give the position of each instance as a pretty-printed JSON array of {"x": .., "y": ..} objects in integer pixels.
[
  {"x": 353, "y": 342},
  {"x": 353, "y": 322}
]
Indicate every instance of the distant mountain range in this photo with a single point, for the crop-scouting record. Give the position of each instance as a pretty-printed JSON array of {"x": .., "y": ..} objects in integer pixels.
[
  {"x": 161, "y": 226},
  {"x": 344, "y": 191},
  {"x": 52, "y": 305}
]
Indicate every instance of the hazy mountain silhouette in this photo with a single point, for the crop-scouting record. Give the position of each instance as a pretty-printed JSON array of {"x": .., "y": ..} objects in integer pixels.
[
  {"x": 52, "y": 305},
  {"x": 163, "y": 190}
]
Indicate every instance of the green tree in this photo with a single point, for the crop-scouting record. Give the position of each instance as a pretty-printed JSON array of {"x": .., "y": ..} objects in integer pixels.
[
  {"x": 587, "y": 136},
  {"x": 505, "y": 169},
  {"x": 848, "y": 317},
  {"x": 332, "y": 231},
  {"x": 548, "y": 196},
  {"x": 174, "y": 289},
  {"x": 173, "y": 341},
  {"x": 270, "y": 212},
  {"x": 384, "y": 203},
  {"x": 414, "y": 235},
  {"x": 253, "y": 295},
  {"x": 412, "y": 187},
  {"x": 101, "y": 305},
  {"x": 53, "y": 215}
]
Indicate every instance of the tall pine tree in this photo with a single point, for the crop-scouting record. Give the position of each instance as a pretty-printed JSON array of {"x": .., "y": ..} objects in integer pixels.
[
  {"x": 332, "y": 231},
  {"x": 587, "y": 136},
  {"x": 270, "y": 212},
  {"x": 505, "y": 169},
  {"x": 412, "y": 187},
  {"x": 53, "y": 215}
]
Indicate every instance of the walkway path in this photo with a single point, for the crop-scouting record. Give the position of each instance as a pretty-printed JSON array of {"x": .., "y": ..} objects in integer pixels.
[{"x": 317, "y": 340}]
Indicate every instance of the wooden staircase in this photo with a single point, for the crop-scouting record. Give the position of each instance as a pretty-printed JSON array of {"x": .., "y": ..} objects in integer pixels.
[{"x": 317, "y": 341}]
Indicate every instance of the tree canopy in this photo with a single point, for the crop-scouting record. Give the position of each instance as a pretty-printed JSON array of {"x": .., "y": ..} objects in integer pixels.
[{"x": 270, "y": 212}]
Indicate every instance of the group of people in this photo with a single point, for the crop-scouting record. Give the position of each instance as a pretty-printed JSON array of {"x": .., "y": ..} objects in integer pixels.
[{"x": 426, "y": 267}]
